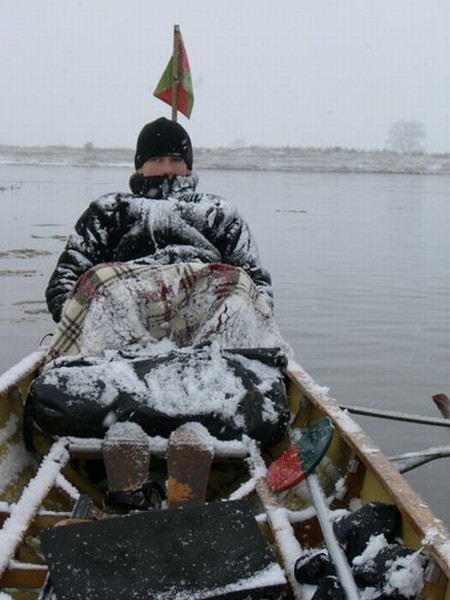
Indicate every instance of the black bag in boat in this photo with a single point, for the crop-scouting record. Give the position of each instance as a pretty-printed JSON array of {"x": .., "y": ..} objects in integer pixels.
[
  {"x": 329, "y": 588},
  {"x": 313, "y": 566},
  {"x": 376, "y": 571},
  {"x": 355, "y": 530},
  {"x": 231, "y": 392}
]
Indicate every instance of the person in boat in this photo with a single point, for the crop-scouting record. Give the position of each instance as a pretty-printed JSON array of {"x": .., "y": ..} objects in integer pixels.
[
  {"x": 163, "y": 221},
  {"x": 162, "y": 303}
]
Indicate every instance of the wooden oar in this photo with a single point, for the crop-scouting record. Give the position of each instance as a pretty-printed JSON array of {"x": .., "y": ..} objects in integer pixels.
[
  {"x": 411, "y": 460},
  {"x": 337, "y": 555},
  {"x": 301, "y": 458},
  {"x": 396, "y": 416},
  {"x": 299, "y": 463}
]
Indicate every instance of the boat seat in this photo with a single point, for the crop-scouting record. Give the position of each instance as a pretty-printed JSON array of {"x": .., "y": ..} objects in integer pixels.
[{"x": 194, "y": 551}]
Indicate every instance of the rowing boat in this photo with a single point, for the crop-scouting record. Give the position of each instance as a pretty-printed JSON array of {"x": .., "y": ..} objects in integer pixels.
[{"x": 41, "y": 490}]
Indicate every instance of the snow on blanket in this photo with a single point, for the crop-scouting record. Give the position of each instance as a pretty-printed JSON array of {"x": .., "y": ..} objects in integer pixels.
[{"x": 126, "y": 306}]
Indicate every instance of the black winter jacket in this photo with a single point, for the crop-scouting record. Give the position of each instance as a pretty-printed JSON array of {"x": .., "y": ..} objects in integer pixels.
[{"x": 185, "y": 227}]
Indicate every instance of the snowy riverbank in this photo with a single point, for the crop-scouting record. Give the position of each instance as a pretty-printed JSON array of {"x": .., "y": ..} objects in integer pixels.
[{"x": 254, "y": 158}]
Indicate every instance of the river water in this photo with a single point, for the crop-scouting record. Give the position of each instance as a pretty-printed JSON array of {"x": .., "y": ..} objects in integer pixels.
[{"x": 360, "y": 266}]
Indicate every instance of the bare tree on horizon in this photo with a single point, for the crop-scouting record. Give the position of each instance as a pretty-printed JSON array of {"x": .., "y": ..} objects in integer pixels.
[{"x": 407, "y": 137}]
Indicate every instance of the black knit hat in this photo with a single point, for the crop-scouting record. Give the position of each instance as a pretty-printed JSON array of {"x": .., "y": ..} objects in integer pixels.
[{"x": 163, "y": 138}]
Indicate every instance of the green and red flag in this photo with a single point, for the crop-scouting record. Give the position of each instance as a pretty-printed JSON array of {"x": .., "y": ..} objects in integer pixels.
[{"x": 175, "y": 86}]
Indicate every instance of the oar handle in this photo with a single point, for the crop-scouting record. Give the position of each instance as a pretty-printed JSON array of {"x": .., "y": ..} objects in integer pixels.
[
  {"x": 396, "y": 416},
  {"x": 336, "y": 553}
]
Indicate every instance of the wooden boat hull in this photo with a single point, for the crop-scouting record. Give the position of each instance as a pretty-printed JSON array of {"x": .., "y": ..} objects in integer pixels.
[{"x": 35, "y": 499}]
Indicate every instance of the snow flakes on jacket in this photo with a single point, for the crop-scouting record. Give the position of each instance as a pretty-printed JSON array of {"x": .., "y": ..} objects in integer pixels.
[{"x": 185, "y": 226}]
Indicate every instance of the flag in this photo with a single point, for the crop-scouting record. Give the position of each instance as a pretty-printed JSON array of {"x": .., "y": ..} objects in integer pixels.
[{"x": 181, "y": 78}]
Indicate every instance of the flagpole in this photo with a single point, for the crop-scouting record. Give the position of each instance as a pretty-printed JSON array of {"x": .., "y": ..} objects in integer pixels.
[{"x": 175, "y": 71}]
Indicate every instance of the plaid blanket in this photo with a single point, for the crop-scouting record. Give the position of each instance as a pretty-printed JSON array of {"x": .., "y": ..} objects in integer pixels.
[{"x": 126, "y": 307}]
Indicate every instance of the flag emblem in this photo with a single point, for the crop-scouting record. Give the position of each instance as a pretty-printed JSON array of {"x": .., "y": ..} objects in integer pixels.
[{"x": 175, "y": 86}]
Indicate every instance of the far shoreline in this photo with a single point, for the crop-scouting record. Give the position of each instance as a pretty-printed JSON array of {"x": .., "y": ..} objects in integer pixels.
[{"x": 253, "y": 158}]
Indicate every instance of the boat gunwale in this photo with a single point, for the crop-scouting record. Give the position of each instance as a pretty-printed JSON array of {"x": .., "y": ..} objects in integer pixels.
[{"x": 16, "y": 374}]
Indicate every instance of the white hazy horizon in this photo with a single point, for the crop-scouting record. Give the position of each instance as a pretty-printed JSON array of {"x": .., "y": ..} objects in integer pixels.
[{"x": 301, "y": 73}]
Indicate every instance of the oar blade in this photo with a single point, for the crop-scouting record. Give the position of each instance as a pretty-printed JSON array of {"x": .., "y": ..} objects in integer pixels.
[
  {"x": 285, "y": 472},
  {"x": 301, "y": 458},
  {"x": 442, "y": 401}
]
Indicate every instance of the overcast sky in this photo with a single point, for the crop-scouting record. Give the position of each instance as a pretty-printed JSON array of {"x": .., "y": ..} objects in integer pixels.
[{"x": 279, "y": 72}]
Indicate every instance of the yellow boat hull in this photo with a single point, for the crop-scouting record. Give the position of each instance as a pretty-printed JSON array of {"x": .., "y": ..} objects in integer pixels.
[{"x": 353, "y": 468}]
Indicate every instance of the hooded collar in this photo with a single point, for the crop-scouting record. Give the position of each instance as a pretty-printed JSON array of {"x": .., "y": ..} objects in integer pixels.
[{"x": 161, "y": 187}]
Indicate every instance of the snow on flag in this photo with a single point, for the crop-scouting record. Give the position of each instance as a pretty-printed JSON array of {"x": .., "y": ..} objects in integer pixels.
[{"x": 175, "y": 85}]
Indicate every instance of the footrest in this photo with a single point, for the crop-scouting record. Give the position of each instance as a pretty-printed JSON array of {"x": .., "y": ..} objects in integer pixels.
[
  {"x": 190, "y": 452},
  {"x": 126, "y": 454},
  {"x": 210, "y": 551}
]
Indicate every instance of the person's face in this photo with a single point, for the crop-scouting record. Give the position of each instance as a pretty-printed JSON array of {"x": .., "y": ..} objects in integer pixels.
[{"x": 168, "y": 166}]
